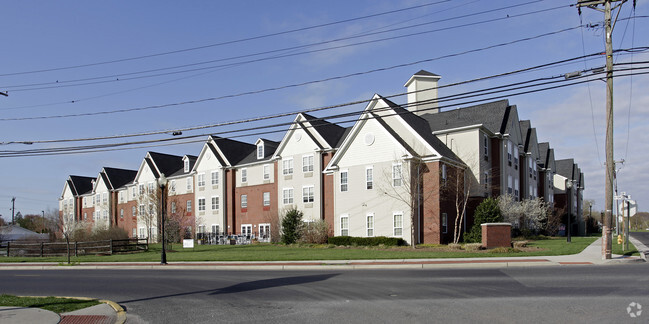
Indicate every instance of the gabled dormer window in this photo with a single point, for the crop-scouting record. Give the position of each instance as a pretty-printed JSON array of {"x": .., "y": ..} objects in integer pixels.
[
  {"x": 260, "y": 151},
  {"x": 186, "y": 169}
]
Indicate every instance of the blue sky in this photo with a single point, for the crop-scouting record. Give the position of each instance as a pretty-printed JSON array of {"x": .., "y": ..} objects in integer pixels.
[{"x": 47, "y": 38}]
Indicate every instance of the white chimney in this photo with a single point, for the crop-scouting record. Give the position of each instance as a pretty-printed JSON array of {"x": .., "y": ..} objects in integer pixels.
[{"x": 422, "y": 92}]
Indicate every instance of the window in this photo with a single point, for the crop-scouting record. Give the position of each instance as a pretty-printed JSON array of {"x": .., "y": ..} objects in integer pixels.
[
  {"x": 396, "y": 175},
  {"x": 215, "y": 178},
  {"x": 344, "y": 225},
  {"x": 260, "y": 151},
  {"x": 151, "y": 187},
  {"x": 343, "y": 181},
  {"x": 444, "y": 223},
  {"x": 172, "y": 187},
  {"x": 266, "y": 172},
  {"x": 244, "y": 175},
  {"x": 287, "y": 196},
  {"x": 307, "y": 163},
  {"x": 486, "y": 180},
  {"x": 509, "y": 185},
  {"x": 173, "y": 207},
  {"x": 142, "y": 210},
  {"x": 134, "y": 234},
  {"x": 121, "y": 196},
  {"x": 201, "y": 179},
  {"x": 133, "y": 193},
  {"x": 121, "y": 213},
  {"x": 85, "y": 215},
  {"x": 369, "y": 178},
  {"x": 370, "y": 225},
  {"x": 529, "y": 164},
  {"x": 531, "y": 192},
  {"x": 516, "y": 156},
  {"x": 133, "y": 211},
  {"x": 244, "y": 201},
  {"x": 287, "y": 167},
  {"x": 534, "y": 170},
  {"x": 189, "y": 206},
  {"x": 201, "y": 204},
  {"x": 186, "y": 165},
  {"x": 516, "y": 188},
  {"x": 266, "y": 198},
  {"x": 444, "y": 172},
  {"x": 398, "y": 224},
  {"x": 307, "y": 194},
  {"x": 215, "y": 203},
  {"x": 215, "y": 228},
  {"x": 189, "y": 184},
  {"x": 104, "y": 214},
  {"x": 485, "y": 147},
  {"x": 509, "y": 152}
]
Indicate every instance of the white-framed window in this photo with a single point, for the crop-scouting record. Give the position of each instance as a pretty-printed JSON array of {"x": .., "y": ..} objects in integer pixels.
[
  {"x": 370, "y": 224},
  {"x": 509, "y": 151},
  {"x": 201, "y": 180},
  {"x": 531, "y": 191},
  {"x": 444, "y": 174},
  {"x": 151, "y": 187},
  {"x": 396, "y": 175},
  {"x": 307, "y": 194},
  {"x": 344, "y": 225},
  {"x": 85, "y": 215},
  {"x": 307, "y": 163},
  {"x": 173, "y": 207},
  {"x": 510, "y": 188},
  {"x": 121, "y": 196},
  {"x": 516, "y": 188},
  {"x": 287, "y": 166},
  {"x": 201, "y": 204},
  {"x": 215, "y": 202},
  {"x": 244, "y": 175},
  {"x": 143, "y": 233},
  {"x": 104, "y": 214},
  {"x": 260, "y": 151},
  {"x": 172, "y": 187},
  {"x": 121, "y": 213},
  {"x": 134, "y": 234},
  {"x": 444, "y": 222},
  {"x": 189, "y": 184},
  {"x": 189, "y": 206},
  {"x": 266, "y": 172},
  {"x": 529, "y": 166},
  {"x": 133, "y": 193},
  {"x": 369, "y": 178},
  {"x": 266, "y": 198},
  {"x": 133, "y": 211},
  {"x": 344, "y": 178},
  {"x": 215, "y": 178},
  {"x": 214, "y": 228},
  {"x": 397, "y": 224},
  {"x": 244, "y": 201},
  {"x": 516, "y": 156},
  {"x": 186, "y": 165},
  {"x": 142, "y": 210},
  {"x": 287, "y": 196}
]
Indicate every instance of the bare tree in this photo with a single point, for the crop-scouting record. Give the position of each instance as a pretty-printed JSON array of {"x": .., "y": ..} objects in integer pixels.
[
  {"x": 148, "y": 205},
  {"x": 68, "y": 226}
]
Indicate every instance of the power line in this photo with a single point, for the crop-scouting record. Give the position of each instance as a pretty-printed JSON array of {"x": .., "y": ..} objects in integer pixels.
[
  {"x": 121, "y": 77},
  {"x": 100, "y": 148},
  {"x": 226, "y": 42},
  {"x": 293, "y": 85}
]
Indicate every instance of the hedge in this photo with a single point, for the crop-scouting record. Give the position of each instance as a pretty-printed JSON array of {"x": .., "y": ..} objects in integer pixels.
[{"x": 366, "y": 241}]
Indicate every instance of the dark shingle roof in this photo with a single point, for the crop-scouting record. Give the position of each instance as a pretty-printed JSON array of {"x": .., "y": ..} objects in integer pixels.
[
  {"x": 566, "y": 168},
  {"x": 234, "y": 151},
  {"x": 495, "y": 116},
  {"x": 544, "y": 154},
  {"x": 118, "y": 178},
  {"x": 426, "y": 73},
  {"x": 167, "y": 163},
  {"x": 80, "y": 185},
  {"x": 331, "y": 132},
  {"x": 423, "y": 129}
]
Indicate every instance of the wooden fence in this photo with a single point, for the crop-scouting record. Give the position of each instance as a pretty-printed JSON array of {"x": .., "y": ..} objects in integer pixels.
[{"x": 108, "y": 247}]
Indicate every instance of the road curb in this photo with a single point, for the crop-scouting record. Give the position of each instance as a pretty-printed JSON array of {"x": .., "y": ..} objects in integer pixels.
[{"x": 121, "y": 313}]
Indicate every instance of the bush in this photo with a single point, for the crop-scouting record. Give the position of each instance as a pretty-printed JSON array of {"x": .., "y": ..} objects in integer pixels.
[
  {"x": 110, "y": 233},
  {"x": 314, "y": 232},
  {"x": 291, "y": 226},
  {"x": 455, "y": 246},
  {"x": 473, "y": 247},
  {"x": 487, "y": 212},
  {"x": 366, "y": 241}
]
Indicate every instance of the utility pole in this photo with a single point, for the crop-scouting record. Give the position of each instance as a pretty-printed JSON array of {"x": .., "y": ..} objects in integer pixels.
[
  {"x": 13, "y": 215},
  {"x": 610, "y": 164}
]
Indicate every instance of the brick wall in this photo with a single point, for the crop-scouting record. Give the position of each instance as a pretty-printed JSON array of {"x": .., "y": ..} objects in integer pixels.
[{"x": 496, "y": 235}]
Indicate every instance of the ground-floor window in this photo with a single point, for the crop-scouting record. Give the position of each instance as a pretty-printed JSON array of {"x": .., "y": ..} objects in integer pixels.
[
  {"x": 398, "y": 224},
  {"x": 344, "y": 225},
  {"x": 246, "y": 230},
  {"x": 370, "y": 225},
  {"x": 444, "y": 223},
  {"x": 264, "y": 232}
]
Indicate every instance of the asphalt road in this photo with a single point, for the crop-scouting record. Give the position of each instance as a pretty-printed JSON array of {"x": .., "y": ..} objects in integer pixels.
[{"x": 513, "y": 295}]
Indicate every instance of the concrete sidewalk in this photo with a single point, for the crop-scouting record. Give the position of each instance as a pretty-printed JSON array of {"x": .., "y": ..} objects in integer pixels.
[{"x": 109, "y": 312}]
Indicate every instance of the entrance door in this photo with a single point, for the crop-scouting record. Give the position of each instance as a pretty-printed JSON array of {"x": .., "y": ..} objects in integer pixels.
[{"x": 246, "y": 230}]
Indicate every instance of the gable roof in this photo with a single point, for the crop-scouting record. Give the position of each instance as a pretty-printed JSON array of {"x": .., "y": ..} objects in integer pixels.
[
  {"x": 495, "y": 116},
  {"x": 117, "y": 178},
  {"x": 80, "y": 185},
  {"x": 165, "y": 163},
  {"x": 330, "y": 132},
  {"x": 545, "y": 155},
  {"x": 269, "y": 150},
  {"x": 566, "y": 168},
  {"x": 233, "y": 151}
]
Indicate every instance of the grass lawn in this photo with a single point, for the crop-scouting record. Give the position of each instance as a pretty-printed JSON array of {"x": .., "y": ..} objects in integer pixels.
[
  {"x": 617, "y": 249},
  {"x": 276, "y": 252},
  {"x": 54, "y": 304}
]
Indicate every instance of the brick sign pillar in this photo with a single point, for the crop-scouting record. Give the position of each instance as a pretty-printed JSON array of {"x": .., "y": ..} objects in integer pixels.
[{"x": 496, "y": 235}]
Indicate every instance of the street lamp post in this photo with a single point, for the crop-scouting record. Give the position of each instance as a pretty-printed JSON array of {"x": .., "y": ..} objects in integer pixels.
[
  {"x": 569, "y": 200},
  {"x": 162, "y": 182}
]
